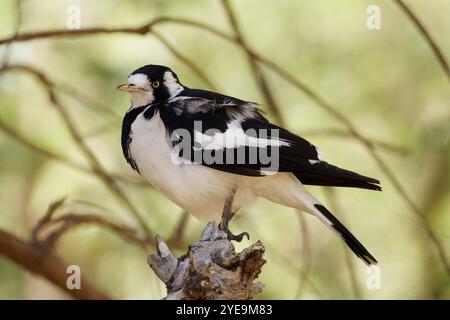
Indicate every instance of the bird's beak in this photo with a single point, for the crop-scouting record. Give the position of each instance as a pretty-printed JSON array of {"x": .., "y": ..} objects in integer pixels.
[{"x": 126, "y": 87}]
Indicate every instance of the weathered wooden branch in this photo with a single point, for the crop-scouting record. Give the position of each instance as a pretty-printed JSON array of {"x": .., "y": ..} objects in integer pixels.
[{"x": 210, "y": 270}]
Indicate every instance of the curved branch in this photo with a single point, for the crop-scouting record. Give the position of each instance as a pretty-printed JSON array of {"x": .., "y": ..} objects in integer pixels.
[
  {"x": 60, "y": 158},
  {"x": 427, "y": 35},
  {"x": 184, "y": 59},
  {"x": 50, "y": 267},
  {"x": 256, "y": 69},
  {"x": 70, "y": 221},
  {"x": 64, "y": 33},
  {"x": 18, "y": 23},
  {"x": 334, "y": 205},
  {"x": 49, "y": 230},
  {"x": 339, "y": 133},
  {"x": 142, "y": 30}
]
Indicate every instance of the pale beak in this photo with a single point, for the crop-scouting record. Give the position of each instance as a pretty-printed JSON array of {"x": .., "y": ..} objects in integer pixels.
[{"x": 126, "y": 87}]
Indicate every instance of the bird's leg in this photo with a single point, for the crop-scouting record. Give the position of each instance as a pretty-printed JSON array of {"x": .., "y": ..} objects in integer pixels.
[{"x": 227, "y": 215}]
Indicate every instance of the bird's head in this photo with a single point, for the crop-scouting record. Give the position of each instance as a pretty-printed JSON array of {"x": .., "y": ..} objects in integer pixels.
[{"x": 151, "y": 84}]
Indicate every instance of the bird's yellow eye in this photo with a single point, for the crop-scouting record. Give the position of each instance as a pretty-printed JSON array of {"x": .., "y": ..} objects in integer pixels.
[{"x": 155, "y": 84}]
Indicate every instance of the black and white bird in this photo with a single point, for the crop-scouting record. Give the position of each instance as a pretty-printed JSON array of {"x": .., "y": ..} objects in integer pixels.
[{"x": 198, "y": 147}]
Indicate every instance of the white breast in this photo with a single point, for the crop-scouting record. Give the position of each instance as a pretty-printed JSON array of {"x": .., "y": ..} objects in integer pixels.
[{"x": 198, "y": 189}]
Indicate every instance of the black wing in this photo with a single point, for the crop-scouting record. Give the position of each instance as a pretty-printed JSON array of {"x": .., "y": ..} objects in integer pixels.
[{"x": 260, "y": 147}]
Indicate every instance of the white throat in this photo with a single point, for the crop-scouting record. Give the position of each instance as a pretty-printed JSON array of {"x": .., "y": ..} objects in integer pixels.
[{"x": 141, "y": 98}]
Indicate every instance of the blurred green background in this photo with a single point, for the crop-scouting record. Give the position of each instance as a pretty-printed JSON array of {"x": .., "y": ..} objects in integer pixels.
[{"x": 387, "y": 82}]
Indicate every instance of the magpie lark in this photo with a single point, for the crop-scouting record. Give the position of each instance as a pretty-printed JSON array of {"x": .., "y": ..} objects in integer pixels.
[{"x": 199, "y": 147}]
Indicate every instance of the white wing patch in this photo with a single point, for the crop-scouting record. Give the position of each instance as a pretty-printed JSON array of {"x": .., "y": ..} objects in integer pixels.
[
  {"x": 320, "y": 156},
  {"x": 234, "y": 137}
]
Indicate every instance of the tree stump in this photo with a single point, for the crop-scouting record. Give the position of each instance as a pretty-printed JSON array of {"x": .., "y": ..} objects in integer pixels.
[{"x": 211, "y": 269}]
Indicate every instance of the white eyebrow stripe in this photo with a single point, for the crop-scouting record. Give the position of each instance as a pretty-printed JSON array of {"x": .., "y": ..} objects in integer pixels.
[
  {"x": 234, "y": 137},
  {"x": 140, "y": 80}
]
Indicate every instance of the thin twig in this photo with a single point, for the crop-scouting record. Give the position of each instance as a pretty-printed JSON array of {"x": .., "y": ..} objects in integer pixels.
[
  {"x": 339, "y": 133},
  {"x": 329, "y": 192},
  {"x": 184, "y": 59},
  {"x": 421, "y": 217},
  {"x": 256, "y": 69},
  {"x": 60, "y": 158},
  {"x": 71, "y": 220},
  {"x": 427, "y": 35},
  {"x": 50, "y": 229},
  {"x": 180, "y": 230},
  {"x": 306, "y": 253},
  {"x": 45, "y": 219},
  {"x": 68, "y": 33},
  {"x": 284, "y": 261},
  {"x": 142, "y": 30},
  {"x": 88, "y": 102},
  {"x": 7, "y": 48},
  {"x": 306, "y": 276}
]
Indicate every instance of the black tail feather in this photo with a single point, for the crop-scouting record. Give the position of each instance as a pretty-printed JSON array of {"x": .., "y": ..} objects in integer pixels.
[
  {"x": 325, "y": 174},
  {"x": 318, "y": 180},
  {"x": 348, "y": 237}
]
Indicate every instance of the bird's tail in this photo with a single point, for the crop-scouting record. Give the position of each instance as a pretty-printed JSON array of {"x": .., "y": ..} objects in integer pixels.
[
  {"x": 346, "y": 235},
  {"x": 316, "y": 208}
]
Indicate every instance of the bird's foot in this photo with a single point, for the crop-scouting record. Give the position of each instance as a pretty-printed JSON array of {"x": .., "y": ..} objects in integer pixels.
[
  {"x": 227, "y": 215},
  {"x": 237, "y": 237},
  {"x": 231, "y": 236}
]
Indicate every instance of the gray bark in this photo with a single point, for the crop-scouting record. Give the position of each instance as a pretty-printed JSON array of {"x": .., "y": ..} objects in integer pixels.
[{"x": 211, "y": 268}]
